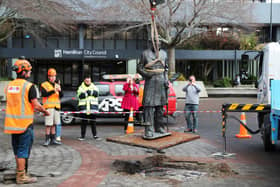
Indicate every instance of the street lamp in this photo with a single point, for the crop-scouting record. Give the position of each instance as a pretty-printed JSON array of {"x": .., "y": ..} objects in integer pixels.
[
  {"x": 270, "y": 35},
  {"x": 156, "y": 2}
]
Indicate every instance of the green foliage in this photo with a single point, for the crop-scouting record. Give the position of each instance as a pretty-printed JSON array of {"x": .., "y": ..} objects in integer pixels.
[
  {"x": 248, "y": 42},
  {"x": 211, "y": 41},
  {"x": 251, "y": 79},
  {"x": 219, "y": 42},
  {"x": 225, "y": 82}
]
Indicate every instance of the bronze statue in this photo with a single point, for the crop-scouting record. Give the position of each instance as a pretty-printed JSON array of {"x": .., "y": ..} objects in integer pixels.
[{"x": 153, "y": 68}]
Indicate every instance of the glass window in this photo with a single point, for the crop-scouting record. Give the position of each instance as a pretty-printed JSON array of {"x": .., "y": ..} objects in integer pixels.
[
  {"x": 3, "y": 43},
  {"x": 119, "y": 90},
  {"x": 75, "y": 75},
  {"x": 3, "y": 68},
  {"x": 120, "y": 36},
  {"x": 67, "y": 75},
  {"x": 87, "y": 69},
  {"x": 261, "y": 65},
  {"x": 95, "y": 73},
  {"x": 18, "y": 33},
  {"x": 104, "y": 89},
  {"x": 73, "y": 35},
  {"x": 88, "y": 33},
  {"x": 142, "y": 34},
  {"x": 98, "y": 33},
  {"x": 131, "y": 35},
  {"x": 42, "y": 73}
]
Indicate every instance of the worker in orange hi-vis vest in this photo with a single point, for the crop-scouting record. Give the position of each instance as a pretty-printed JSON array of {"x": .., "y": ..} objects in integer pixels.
[
  {"x": 21, "y": 103},
  {"x": 51, "y": 93}
]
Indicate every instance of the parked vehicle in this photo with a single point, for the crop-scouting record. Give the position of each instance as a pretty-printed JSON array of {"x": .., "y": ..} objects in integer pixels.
[
  {"x": 268, "y": 102},
  {"x": 110, "y": 98},
  {"x": 269, "y": 70}
]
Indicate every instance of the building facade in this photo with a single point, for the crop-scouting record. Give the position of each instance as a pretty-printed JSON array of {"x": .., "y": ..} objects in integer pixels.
[
  {"x": 87, "y": 51},
  {"x": 94, "y": 51}
]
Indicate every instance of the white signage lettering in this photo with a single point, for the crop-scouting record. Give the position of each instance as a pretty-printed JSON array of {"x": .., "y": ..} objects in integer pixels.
[
  {"x": 72, "y": 52},
  {"x": 110, "y": 103},
  {"x": 95, "y": 53},
  {"x": 59, "y": 53}
]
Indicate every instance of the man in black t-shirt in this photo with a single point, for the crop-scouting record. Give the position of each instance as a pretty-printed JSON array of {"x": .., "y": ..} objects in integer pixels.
[{"x": 19, "y": 118}]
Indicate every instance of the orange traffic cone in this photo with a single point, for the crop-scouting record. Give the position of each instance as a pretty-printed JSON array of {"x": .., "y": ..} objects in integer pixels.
[
  {"x": 243, "y": 132},
  {"x": 130, "y": 125}
]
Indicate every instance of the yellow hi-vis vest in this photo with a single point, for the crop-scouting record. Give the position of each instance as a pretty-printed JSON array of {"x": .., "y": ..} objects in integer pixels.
[
  {"x": 19, "y": 111},
  {"x": 89, "y": 100},
  {"x": 53, "y": 100}
]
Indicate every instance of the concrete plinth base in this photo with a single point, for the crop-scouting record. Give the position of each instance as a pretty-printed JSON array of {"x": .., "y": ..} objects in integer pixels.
[{"x": 156, "y": 136}]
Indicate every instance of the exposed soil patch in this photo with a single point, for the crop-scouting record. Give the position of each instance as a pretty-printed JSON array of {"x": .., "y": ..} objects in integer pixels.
[{"x": 161, "y": 166}]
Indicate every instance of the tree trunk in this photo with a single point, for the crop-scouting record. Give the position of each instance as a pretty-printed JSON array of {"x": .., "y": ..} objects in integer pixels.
[
  {"x": 171, "y": 60},
  {"x": 207, "y": 68}
]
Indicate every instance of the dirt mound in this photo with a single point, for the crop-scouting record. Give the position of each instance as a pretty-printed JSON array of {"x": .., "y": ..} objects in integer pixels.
[{"x": 162, "y": 166}]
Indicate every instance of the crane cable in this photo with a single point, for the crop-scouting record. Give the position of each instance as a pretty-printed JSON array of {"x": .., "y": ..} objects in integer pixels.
[
  {"x": 154, "y": 33},
  {"x": 155, "y": 42}
]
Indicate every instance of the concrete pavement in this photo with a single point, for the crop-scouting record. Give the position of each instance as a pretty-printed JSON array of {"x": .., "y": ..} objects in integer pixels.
[{"x": 89, "y": 162}]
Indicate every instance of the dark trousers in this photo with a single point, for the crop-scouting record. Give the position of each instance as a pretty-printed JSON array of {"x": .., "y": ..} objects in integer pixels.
[
  {"x": 153, "y": 115},
  {"x": 92, "y": 121},
  {"x": 126, "y": 116}
]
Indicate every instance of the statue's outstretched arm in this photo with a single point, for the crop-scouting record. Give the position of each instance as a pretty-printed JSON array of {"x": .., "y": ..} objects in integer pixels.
[{"x": 142, "y": 70}]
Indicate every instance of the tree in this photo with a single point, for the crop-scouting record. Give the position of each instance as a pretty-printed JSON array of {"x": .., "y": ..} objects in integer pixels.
[
  {"x": 248, "y": 42},
  {"x": 179, "y": 20},
  {"x": 53, "y": 14}
]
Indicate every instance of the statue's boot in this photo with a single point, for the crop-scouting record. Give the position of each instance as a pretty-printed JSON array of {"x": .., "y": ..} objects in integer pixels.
[
  {"x": 149, "y": 134},
  {"x": 161, "y": 130},
  {"x": 149, "y": 131}
]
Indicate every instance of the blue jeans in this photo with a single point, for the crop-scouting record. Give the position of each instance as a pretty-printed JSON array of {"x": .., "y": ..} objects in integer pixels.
[
  {"x": 188, "y": 108},
  {"x": 58, "y": 130},
  {"x": 22, "y": 143}
]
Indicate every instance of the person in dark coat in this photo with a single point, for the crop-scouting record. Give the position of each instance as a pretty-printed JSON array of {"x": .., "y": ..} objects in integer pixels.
[
  {"x": 153, "y": 70},
  {"x": 130, "y": 98}
]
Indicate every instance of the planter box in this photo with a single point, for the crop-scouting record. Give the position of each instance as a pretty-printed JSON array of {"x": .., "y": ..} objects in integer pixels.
[{"x": 241, "y": 91}]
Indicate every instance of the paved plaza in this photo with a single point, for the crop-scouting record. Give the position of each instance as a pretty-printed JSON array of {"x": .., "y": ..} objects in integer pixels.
[{"x": 89, "y": 162}]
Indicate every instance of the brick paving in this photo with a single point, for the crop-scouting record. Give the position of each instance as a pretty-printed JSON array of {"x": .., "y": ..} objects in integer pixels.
[{"x": 89, "y": 162}]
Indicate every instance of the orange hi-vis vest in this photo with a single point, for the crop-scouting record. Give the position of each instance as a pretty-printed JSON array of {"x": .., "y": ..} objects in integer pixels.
[
  {"x": 19, "y": 111},
  {"x": 53, "y": 100}
]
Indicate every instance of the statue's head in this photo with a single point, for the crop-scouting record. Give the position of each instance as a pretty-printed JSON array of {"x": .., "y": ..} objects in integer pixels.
[{"x": 150, "y": 44}]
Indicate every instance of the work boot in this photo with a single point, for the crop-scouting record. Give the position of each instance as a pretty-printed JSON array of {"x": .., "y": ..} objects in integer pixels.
[
  {"x": 53, "y": 140},
  {"x": 47, "y": 141},
  {"x": 23, "y": 178}
]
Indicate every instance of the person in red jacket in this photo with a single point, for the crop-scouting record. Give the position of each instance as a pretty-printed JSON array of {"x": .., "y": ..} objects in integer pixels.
[{"x": 130, "y": 100}]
